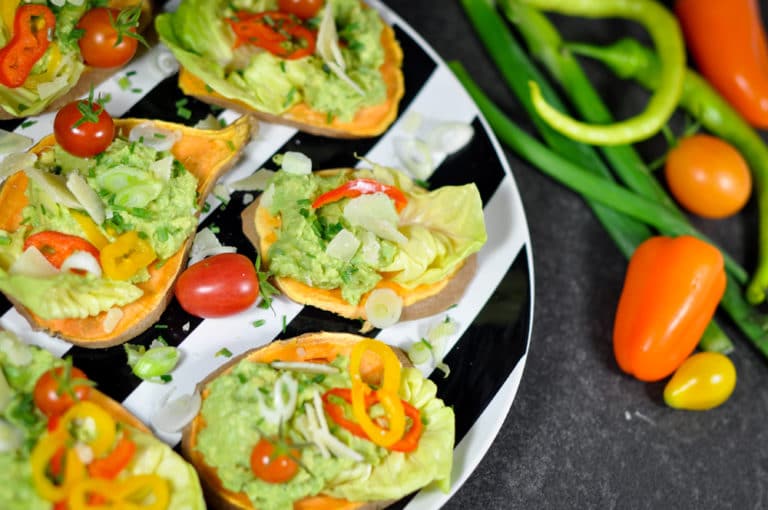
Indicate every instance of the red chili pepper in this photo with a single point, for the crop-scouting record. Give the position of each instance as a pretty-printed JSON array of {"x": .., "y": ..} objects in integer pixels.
[
  {"x": 357, "y": 187},
  {"x": 279, "y": 33},
  {"x": 29, "y": 43},
  {"x": 57, "y": 246},
  {"x": 110, "y": 466},
  {"x": 407, "y": 443}
]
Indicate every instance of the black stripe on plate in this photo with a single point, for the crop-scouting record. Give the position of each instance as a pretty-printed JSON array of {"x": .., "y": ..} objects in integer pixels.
[
  {"x": 485, "y": 355},
  {"x": 11, "y": 124},
  {"x": 166, "y": 102}
]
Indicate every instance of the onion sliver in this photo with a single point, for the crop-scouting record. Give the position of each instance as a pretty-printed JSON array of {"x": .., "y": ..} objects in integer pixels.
[
  {"x": 383, "y": 308},
  {"x": 11, "y": 142},
  {"x": 33, "y": 263},
  {"x": 152, "y": 136},
  {"x": 174, "y": 415},
  {"x": 296, "y": 163},
  {"x": 82, "y": 261}
]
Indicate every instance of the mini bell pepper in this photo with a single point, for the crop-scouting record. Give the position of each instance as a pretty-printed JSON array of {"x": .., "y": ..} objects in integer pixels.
[
  {"x": 703, "y": 381},
  {"x": 278, "y": 32},
  {"x": 671, "y": 290},
  {"x": 58, "y": 246},
  {"x": 126, "y": 256},
  {"x": 31, "y": 26},
  {"x": 357, "y": 187}
]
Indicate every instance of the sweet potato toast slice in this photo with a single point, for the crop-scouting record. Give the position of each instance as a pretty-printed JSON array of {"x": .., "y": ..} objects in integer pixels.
[
  {"x": 207, "y": 154},
  {"x": 314, "y": 347}
]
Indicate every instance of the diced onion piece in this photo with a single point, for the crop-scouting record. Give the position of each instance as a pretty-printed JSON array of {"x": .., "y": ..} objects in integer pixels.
[
  {"x": 415, "y": 155},
  {"x": 210, "y": 122},
  {"x": 449, "y": 137},
  {"x": 111, "y": 319},
  {"x": 47, "y": 89},
  {"x": 207, "y": 244},
  {"x": 257, "y": 181},
  {"x": 16, "y": 161},
  {"x": 267, "y": 197},
  {"x": 32, "y": 262},
  {"x": 304, "y": 366},
  {"x": 87, "y": 197},
  {"x": 11, "y": 142},
  {"x": 419, "y": 353},
  {"x": 371, "y": 248},
  {"x": 10, "y": 437},
  {"x": 222, "y": 192},
  {"x": 162, "y": 168},
  {"x": 296, "y": 163},
  {"x": 248, "y": 198},
  {"x": 53, "y": 185},
  {"x": 84, "y": 452},
  {"x": 343, "y": 246},
  {"x": 328, "y": 39},
  {"x": 166, "y": 62},
  {"x": 83, "y": 261},
  {"x": 6, "y": 394},
  {"x": 383, "y": 308},
  {"x": 152, "y": 136},
  {"x": 375, "y": 212},
  {"x": 174, "y": 415},
  {"x": 16, "y": 352}
]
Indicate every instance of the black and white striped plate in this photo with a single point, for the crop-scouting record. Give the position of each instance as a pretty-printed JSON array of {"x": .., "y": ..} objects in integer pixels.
[{"x": 486, "y": 355}]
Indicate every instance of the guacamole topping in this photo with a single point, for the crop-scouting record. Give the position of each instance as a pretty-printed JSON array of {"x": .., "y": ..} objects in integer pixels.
[
  {"x": 201, "y": 39},
  {"x": 438, "y": 230},
  {"x": 239, "y": 411},
  {"x": 140, "y": 190},
  {"x": 20, "y": 367}
]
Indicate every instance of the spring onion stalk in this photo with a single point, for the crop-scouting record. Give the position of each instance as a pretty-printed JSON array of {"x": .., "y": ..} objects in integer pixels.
[{"x": 751, "y": 323}]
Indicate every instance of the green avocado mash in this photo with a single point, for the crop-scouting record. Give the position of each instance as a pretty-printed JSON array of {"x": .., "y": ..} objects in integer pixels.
[
  {"x": 440, "y": 229},
  {"x": 141, "y": 189},
  {"x": 201, "y": 39},
  {"x": 239, "y": 411},
  {"x": 19, "y": 415}
]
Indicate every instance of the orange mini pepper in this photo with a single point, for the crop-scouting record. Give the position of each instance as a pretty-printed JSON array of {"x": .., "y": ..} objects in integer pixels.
[{"x": 671, "y": 290}]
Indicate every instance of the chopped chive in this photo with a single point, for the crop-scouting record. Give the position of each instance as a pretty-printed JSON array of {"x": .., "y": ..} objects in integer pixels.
[
  {"x": 28, "y": 123},
  {"x": 224, "y": 352},
  {"x": 259, "y": 323}
]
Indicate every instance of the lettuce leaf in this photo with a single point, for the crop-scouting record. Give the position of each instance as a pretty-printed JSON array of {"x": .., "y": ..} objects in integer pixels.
[
  {"x": 443, "y": 227},
  {"x": 67, "y": 295},
  {"x": 430, "y": 464}
]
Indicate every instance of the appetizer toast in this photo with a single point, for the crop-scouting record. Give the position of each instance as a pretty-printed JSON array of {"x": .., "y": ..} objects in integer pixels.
[
  {"x": 335, "y": 468},
  {"x": 158, "y": 205},
  {"x": 344, "y": 80},
  {"x": 60, "y": 74},
  {"x": 425, "y": 256}
]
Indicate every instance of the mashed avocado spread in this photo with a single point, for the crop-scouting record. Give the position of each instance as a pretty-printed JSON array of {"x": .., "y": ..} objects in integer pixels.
[
  {"x": 201, "y": 39},
  {"x": 139, "y": 189},
  {"x": 20, "y": 367},
  {"x": 241, "y": 408}
]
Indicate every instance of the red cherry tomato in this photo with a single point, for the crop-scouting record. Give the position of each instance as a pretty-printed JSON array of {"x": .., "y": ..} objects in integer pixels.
[
  {"x": 56, "y": 391},
  {"x": 218, "y": 286},
  {"x": 303, "y": 9},
  {"x": 79, "y": 135},
  {"x": 99, "y": 46},
  {"x": 708, "y": 176},
  {"x": 274, "y": 463}
]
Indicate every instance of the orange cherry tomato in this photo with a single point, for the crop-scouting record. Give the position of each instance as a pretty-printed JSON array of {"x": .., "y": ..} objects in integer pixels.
[
  {"x": 274, "y": 462},
  {"x": 304, "y": 9},
  {"x": 708, "y": 176}
]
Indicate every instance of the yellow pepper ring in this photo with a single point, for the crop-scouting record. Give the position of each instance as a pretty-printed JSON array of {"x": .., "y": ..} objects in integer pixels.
[
  {"x": 124, "y": 257},
  {"x": 45, "y": 449},
  {"x": 104, "y": 426},
  {"x": 140, "y": 492},
  {"x": 90, "y": 229},
  {"x": 387, "y": 393}
]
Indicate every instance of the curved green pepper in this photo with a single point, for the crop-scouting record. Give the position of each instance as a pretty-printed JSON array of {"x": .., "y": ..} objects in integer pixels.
[{"x": 667, "y": 38}]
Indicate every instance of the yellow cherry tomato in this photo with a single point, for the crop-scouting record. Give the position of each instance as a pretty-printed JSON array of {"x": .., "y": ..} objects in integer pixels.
[
  {"x": 703, "y": 381},
  {"x": 124, "y": 257}
]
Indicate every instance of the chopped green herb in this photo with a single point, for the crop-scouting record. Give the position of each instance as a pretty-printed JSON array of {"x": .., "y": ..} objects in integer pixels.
[
  {"x": 181, "y": 109},
  {"x": 214, "y": 228},
  {"x": 161, "y": 326},
  {"x": 166, "y": 378},
  {"x": 282, "y": 65},
  {"x": 28, "y": 123},
  {"x": 5, "y": 240},
  {"x": 285, "y": 323},
  {"x": 259, "y": 323},
  {"x": 124, "y": 83},
  {"x": 208, "y": 88},
  {"x": 224, "y": 352},
  {"x": 130, "y": 73},
  {"x": 137, "y": 90},
  {"x": 231, "y": 145}
]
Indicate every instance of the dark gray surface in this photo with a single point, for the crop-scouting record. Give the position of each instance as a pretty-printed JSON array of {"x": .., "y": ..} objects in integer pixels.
[{"x": 581, "y": 434}]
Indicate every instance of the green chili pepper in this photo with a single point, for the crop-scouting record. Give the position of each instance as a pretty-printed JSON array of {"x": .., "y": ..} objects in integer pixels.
[
  {"x": 667, "y": 38},
  {"x": 630, "y": 59}
]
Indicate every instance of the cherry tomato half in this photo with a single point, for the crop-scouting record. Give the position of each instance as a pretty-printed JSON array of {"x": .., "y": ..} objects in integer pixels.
[
  {"x": 54, "y": 392},
  {"x": 274, "y": 463},
  {"x": 99, "y": 44},
  {"x": 303, "y": 9},
  {"x": 708, "y": 176},
  {"x": 80, "y": 136},
  {"x": 218, "y": 286}
]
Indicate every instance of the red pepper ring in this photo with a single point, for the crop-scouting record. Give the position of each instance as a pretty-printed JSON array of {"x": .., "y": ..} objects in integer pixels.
[
  {"x": 357, "y": 187},
  {"x": 31, "y": 26},
  {"x": 280, "y": 33},
  {"x": 407, "y": 443}
]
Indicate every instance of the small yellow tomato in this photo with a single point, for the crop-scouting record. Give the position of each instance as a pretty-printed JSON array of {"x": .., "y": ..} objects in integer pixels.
[{"x": 703, "y": 381}]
